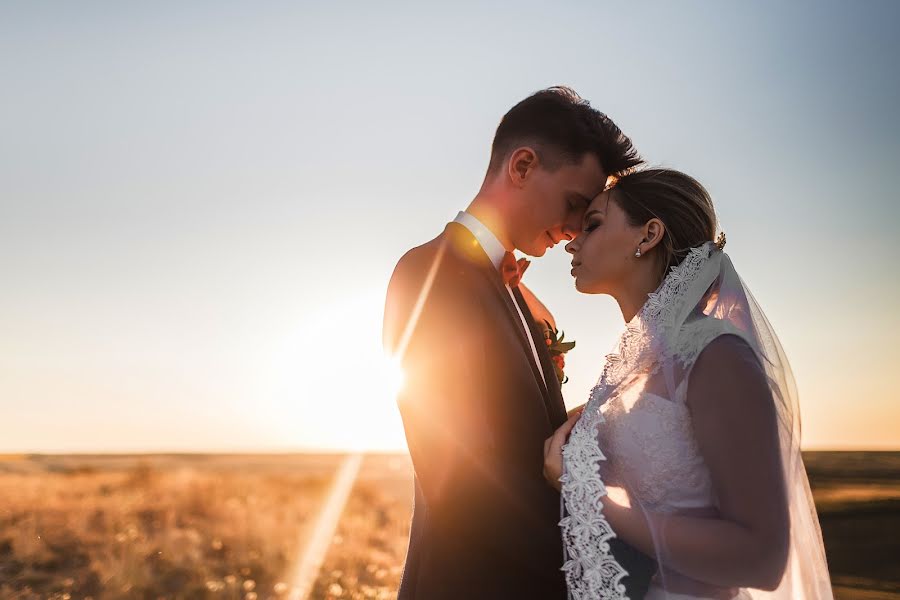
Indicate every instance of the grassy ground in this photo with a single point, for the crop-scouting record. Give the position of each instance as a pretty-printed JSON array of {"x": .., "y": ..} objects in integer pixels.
[
  {"x": 220, "y": 526},
  {"x": 858, "y": 500}
]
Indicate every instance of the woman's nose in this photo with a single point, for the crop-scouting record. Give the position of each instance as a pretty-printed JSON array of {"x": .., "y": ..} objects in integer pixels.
[{"x": 572, "y": 246}]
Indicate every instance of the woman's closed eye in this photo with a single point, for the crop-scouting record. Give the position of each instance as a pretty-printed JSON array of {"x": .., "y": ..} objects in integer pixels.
[{"x": 592, "y": 225}]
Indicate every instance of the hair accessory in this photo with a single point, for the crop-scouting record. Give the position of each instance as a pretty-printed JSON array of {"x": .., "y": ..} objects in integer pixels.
[{"x": 720, "y": 241}]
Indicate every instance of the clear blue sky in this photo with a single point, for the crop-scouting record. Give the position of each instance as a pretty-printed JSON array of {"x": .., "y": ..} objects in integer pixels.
[{"x": 201, "y": 203}]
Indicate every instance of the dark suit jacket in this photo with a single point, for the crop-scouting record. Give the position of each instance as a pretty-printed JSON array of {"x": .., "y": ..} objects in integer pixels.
[{"x": 476, "y": 413}]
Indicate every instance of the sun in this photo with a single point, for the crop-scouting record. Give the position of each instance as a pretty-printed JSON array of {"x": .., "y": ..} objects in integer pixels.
[{"x": 333, "y": 386}]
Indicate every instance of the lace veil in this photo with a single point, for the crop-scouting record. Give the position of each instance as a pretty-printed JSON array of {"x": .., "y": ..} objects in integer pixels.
[{"x": 699, "y": 300}]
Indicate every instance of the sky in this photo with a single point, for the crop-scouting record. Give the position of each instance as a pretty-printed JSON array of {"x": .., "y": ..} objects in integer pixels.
[{"x": 201, "y": 203}]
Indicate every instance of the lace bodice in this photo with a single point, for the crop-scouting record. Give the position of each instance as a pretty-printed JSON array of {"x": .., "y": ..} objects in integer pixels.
[{"x": 649, "y": 444}]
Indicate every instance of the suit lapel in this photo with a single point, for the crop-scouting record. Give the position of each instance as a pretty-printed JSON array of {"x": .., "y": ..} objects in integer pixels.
[
  {"x": 464, "y": 243},
  {"x": 555, "y": 405},
  {"x": 513, "y": 315}
]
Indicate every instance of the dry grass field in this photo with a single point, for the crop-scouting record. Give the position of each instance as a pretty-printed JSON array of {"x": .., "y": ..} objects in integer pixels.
[
  {"x": 235, "y": 526},
  {"x": 858, "y": 499}
]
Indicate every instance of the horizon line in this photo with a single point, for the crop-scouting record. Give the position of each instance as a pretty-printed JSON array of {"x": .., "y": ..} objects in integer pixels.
[{"x": 6, "y": 454}]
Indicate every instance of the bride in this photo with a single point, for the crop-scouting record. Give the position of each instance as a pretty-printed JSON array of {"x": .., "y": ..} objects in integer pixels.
[{"x": 689, "y": 445}]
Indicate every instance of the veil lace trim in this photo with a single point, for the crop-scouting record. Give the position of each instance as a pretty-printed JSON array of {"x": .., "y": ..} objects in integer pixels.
[{"x": 590, "y": 568}]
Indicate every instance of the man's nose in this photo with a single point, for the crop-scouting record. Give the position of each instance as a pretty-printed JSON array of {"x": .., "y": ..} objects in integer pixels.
[{"x": 571, "y": 229}]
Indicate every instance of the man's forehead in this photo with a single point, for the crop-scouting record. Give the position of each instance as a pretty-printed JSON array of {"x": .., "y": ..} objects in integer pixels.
[
  {"x": 592, "y": 176},
  {"x": 590, "y": 189}
]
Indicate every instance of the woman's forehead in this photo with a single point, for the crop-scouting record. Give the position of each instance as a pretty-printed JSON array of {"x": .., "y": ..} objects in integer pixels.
[{"x": 600, "y": 203}]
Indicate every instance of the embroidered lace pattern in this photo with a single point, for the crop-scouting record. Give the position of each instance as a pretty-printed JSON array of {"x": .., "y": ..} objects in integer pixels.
[{"x": 651, "y": 445}]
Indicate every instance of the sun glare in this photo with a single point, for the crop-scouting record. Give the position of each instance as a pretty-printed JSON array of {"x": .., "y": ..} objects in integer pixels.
[
  {"x": 333, "y": 386},
  {"x": 394, "y": 374}
]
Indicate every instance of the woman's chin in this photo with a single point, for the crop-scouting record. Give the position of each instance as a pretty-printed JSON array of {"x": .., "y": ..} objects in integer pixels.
[{"x": 585, "y": 287}]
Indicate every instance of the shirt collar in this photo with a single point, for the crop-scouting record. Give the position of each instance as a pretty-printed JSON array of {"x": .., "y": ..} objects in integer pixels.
[{"x": 489, "y": 242}]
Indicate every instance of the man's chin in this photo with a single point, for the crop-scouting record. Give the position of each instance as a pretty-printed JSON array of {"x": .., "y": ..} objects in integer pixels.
[{"x": 536, "y": 250}]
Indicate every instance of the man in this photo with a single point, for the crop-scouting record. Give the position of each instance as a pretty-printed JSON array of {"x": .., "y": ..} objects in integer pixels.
[{"x": 481, "y": 394}]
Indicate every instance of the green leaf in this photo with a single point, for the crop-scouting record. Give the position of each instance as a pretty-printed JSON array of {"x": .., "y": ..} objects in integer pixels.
[{"x": 565, "y": 347}]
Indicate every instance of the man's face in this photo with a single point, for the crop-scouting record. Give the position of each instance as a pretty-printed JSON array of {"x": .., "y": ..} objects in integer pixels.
[{"x": 554, "y": 202}]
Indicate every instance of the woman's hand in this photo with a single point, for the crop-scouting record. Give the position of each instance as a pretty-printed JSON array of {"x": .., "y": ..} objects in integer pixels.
[
  {"x": 577, "y": 410},
  {"x": 553, "y": 451}
]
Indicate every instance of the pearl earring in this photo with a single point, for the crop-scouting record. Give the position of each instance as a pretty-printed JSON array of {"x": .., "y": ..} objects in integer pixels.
[{"x": 638, "y": 253}]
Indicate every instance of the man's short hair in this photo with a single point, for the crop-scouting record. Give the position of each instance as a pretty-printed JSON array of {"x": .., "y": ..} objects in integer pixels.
[{"x": 562, "y": 128}]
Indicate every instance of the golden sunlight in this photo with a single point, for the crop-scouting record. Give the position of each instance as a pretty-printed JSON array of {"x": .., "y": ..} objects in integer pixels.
[{"x": 333, "y": 387}]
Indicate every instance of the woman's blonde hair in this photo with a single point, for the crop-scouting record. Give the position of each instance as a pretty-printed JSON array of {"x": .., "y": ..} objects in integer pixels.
[{"x": 678, "y": 200}]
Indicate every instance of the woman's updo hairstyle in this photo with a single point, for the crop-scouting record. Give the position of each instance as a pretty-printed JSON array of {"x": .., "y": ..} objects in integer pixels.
[{"x": 676, "y": 199}]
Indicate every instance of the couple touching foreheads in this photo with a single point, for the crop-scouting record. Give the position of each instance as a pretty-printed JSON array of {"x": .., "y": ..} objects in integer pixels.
[{"x": 680, "y": 476}]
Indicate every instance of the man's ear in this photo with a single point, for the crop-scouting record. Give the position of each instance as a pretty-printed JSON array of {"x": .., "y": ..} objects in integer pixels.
[
  {"x": 522, "y": 163},
  {"x": 654, "y": 230}
]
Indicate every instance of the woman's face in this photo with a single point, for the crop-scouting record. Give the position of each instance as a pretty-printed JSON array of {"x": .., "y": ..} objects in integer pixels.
[{"x": 603, "y": 253}]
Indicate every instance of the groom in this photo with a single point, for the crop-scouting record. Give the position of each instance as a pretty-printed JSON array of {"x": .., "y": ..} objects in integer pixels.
[{"x": 481, "y": 395}]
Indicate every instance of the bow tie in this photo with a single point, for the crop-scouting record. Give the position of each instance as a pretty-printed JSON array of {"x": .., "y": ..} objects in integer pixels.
[{"x": 512, "y": 269}]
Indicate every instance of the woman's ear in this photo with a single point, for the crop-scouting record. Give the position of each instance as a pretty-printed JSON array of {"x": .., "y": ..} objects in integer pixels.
[
  {"x": 522, "y": 162},
  {"x": 654, "y": 231}
]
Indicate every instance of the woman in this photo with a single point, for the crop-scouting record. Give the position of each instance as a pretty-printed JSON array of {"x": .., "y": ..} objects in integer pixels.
[{"x": 688, "y": 448}]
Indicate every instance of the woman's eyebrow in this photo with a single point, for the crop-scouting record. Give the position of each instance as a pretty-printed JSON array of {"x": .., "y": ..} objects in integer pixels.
[{"x": 588, "y": 215}]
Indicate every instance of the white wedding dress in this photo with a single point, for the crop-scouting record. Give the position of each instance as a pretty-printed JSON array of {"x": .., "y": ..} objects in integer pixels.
[{"x": 635, "y": 436}]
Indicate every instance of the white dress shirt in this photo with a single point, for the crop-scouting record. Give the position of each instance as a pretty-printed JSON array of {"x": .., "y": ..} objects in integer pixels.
[{"x": 495, "y": 251}]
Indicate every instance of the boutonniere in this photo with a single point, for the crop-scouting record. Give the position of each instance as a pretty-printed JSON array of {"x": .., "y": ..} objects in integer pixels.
[{"x": 557, "y": 348}]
